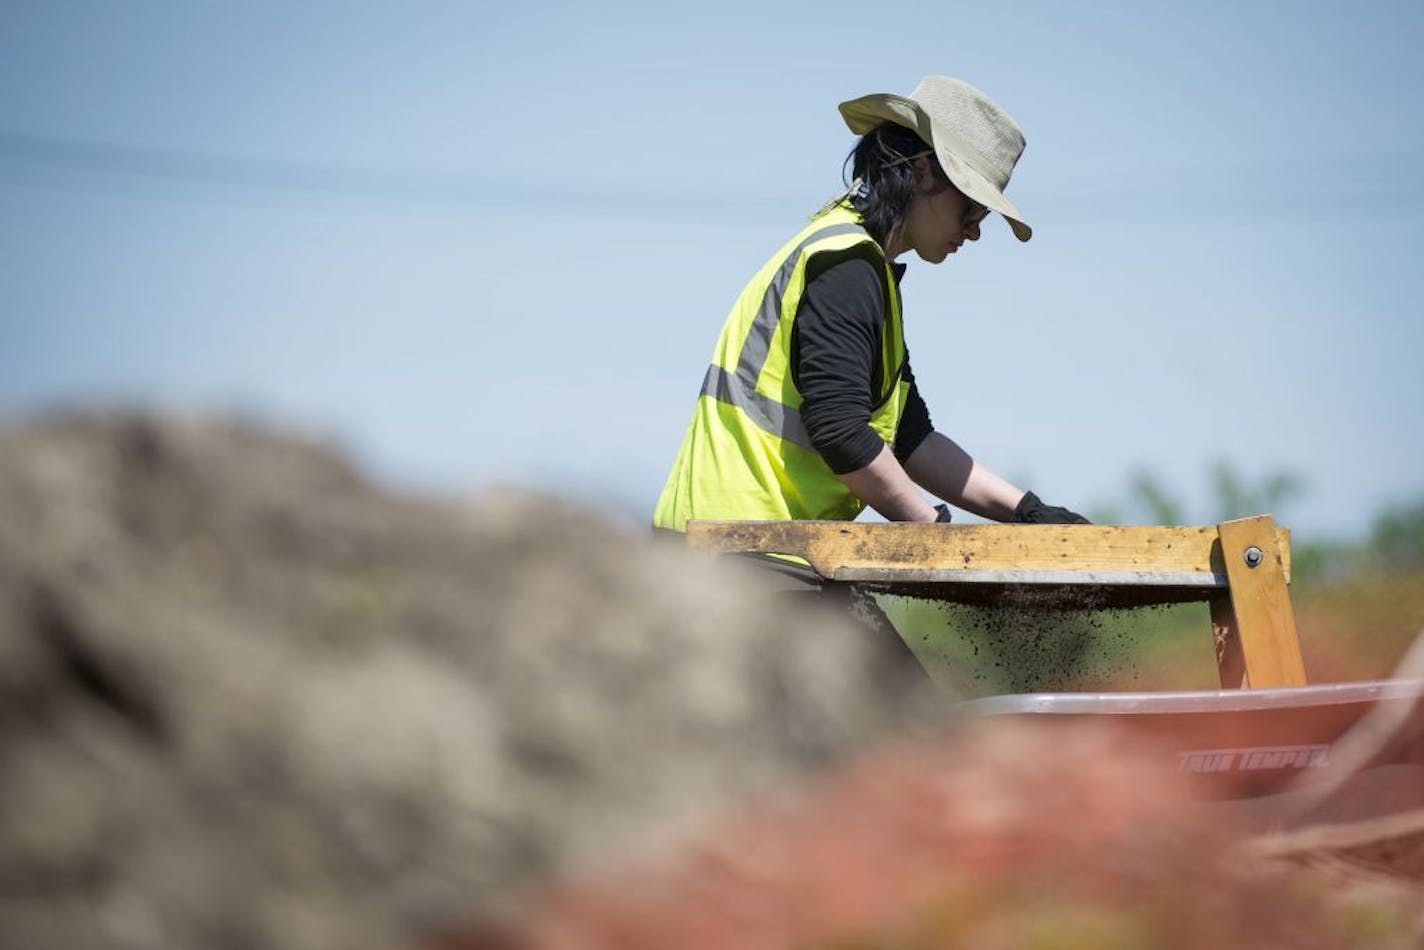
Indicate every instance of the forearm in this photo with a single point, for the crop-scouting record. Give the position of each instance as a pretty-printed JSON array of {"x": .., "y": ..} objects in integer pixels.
[
  {"x": 944, "y": 469},
  {"x": 885, "y": 486}
]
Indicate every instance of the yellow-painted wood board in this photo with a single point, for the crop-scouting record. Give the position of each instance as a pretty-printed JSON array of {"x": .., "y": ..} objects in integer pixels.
[
  {"x": 1106, "y": 555},
  {"x": 1264, "y": 620}
]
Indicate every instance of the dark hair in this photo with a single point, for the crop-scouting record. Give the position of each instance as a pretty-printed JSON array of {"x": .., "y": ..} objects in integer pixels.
[{"x": 880, "y": 160}]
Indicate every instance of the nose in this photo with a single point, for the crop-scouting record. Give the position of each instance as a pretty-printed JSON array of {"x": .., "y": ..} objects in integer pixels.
[{"x": 971, "y": 233}]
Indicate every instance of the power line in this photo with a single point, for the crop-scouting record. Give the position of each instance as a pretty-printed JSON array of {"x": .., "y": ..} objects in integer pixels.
[
  {"x": 177, "y": 166},
  {"x": 1370, "y": 184}
]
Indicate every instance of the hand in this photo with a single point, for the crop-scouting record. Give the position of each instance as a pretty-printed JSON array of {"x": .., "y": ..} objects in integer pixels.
[{"x": 1033, "y": 511}]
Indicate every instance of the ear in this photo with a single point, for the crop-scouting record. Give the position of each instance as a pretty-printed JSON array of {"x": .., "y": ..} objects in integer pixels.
[{"x": 924, "y": 178}]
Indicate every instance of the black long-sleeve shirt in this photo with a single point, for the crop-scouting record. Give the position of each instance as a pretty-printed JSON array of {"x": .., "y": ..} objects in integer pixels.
[{"x": 835, "y": 361}]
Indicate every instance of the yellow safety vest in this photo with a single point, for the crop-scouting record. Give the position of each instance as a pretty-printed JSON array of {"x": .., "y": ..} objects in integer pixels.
[{"x": 745, "y": 455}]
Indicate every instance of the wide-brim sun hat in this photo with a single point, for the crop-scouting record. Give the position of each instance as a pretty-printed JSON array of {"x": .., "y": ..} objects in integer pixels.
[{"x": 976, "y": 142}]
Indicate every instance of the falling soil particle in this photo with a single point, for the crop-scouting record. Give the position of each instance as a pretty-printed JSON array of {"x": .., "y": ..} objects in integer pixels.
[{"x": 1031, "y": 638}]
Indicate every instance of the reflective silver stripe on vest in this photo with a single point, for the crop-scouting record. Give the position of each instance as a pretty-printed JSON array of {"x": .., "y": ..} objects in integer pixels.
[
  {"x": 758, "y": 342},
  {"x": 768, "y": 414},
  {"x": 740, "y": 390}
]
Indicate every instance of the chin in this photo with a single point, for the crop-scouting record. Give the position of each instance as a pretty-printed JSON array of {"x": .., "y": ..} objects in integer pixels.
[{"x": 932, "y": 258}]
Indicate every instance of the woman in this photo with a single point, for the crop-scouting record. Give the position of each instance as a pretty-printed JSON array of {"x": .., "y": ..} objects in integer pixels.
[{"x": 809, "y": 408}]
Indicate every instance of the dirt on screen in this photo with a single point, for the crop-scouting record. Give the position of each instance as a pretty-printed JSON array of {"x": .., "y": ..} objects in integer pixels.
[{"x": 983, "y": 639}]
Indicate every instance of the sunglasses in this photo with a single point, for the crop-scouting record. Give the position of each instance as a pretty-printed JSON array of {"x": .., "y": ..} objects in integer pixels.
[{"x": 974, "y": 212}]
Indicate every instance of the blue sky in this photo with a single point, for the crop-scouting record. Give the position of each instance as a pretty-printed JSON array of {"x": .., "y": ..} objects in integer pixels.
[{"x": 483, "y": 243}]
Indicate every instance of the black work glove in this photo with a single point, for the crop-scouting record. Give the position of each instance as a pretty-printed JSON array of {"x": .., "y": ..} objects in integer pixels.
[{"x": 1033, "y": 511}]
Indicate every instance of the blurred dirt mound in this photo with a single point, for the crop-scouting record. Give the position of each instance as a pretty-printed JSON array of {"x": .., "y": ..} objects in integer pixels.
[{"x": 248, "y": 699}]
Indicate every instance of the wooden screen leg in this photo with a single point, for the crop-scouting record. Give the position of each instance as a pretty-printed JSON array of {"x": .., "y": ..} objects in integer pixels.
[
  {"x": 1265, "y": 623},
  {"x": 1230, "y": 664}
]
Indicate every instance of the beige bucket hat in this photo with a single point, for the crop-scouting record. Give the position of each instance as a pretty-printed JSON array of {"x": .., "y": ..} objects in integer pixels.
[{"x": 975, "y": 141}]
